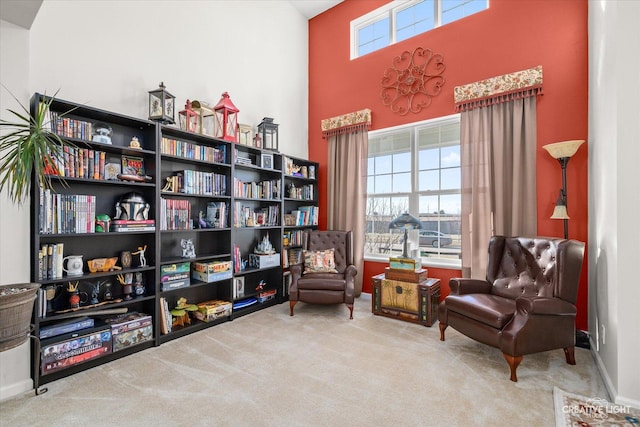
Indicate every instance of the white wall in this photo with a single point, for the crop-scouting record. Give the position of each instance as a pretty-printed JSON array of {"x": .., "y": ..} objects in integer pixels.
[
  {"x": 614, "y": 200},
  {"x": 109, "y": 54},
  {"x": 14, "y": 220}
]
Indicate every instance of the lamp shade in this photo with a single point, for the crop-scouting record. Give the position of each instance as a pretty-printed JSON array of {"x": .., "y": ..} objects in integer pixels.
[
  {"x": 560, "y": 211},
  {"x": 559, "y": 150},
  {"x": 405, "y": 221}
]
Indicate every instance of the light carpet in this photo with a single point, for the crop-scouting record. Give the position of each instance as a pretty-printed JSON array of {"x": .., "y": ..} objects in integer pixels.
[
  {"x": 575, "y": 410},
  {"x": 317, "y": 368}
]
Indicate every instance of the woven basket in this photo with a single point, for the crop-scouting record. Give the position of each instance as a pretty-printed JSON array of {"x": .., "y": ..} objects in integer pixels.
[{"x": 15, "y": 314}]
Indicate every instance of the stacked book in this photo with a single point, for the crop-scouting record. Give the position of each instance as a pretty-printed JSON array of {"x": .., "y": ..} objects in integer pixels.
[{"x": 124, "y": 225}]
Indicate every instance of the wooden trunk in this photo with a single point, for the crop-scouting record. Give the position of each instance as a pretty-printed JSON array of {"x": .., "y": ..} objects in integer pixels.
[{"x": 409, "y": 301}]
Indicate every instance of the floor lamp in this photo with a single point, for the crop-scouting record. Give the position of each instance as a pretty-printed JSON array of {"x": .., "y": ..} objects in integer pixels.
[{"x": 563, "y": 151}]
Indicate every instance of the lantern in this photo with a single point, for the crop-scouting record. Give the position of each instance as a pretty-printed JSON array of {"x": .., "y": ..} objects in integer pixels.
[
  {"x": 161, "y": 105},
  {"x": 207, "y": 118},
  {"x": 245, "y": 134},
  {"x": 226, "y": 119},
  {"x": 189, "y": 119},
  {"x": 269, "y": 132}
]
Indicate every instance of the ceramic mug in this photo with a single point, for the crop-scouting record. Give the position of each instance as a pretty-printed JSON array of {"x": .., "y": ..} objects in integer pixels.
[{"x": 74, "y": 265}]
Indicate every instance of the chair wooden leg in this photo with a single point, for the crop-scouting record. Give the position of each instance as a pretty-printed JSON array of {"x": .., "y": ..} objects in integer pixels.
[
  {"x": 569, "y": 354},
  {"x": 513, "y": 362},
  {"x": 350, "y": 306},
  {"x": 291, "y": 304},
  {"x": 443, "y": 326}
]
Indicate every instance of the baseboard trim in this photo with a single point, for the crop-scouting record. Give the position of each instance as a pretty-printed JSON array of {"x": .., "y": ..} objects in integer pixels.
[
  {"x": 613, "y": 393},
  {"x": 15, "y": 389}
]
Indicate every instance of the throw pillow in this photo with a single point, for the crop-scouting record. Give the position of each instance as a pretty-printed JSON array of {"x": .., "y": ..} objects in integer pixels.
[{"x": 319, "y": 261}]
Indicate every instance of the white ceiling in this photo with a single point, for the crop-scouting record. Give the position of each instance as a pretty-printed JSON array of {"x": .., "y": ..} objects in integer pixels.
[
  {"x": 19, "y": 12},
  {"x": 311, "y": 8},
  {"x": 23, "y": 12}
]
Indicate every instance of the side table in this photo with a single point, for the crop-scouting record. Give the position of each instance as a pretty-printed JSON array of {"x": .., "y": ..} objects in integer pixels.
[{"x": 412, "y": 302}]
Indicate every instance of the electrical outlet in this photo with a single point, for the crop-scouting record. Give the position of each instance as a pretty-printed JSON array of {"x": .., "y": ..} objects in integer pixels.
[{"x": 603, "y": 331}]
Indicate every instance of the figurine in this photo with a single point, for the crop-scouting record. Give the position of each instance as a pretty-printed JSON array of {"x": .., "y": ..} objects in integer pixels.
[
  {"x": 141, "y": 250},
  {"x": 135, "y": 144},
  {"x": 261, "y": 285},
  {"x": 139, "y": 288}
]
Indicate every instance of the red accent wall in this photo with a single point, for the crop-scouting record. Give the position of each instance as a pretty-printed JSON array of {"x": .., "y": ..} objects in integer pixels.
[{"x": 509, "y": 36}]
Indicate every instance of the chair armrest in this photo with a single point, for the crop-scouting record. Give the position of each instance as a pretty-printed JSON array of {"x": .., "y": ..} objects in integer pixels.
[
  {"x": 350, "y": 278},
  {"x": 462, "y": 286},
  {"x": 544, "y": 305}
]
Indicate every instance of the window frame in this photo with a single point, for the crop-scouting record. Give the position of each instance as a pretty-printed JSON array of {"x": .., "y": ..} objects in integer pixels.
[
  {"x": 415, "y": 193},
  {"x": 390, "y": 10}
]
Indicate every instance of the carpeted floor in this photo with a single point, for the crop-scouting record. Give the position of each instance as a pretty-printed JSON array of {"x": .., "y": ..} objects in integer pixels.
[
  {"x": 575, "y": 410},
  {"x": 317, "y": 368}
]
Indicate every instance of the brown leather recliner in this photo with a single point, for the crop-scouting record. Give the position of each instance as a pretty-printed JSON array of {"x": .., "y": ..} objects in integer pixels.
[
  {"x": 527, "y": 303},
  {"x": 325, "y": 288}
]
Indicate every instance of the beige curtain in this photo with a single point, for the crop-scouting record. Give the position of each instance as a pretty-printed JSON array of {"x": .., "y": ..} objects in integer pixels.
[
  {"x": 498, "y": 151},
  {"x": 347, "y": 191}
]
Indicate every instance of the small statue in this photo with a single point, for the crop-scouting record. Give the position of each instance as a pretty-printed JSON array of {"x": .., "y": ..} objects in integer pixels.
[
  {"x": 141, "y": 250},
  {"x": 135, "y": 144}
]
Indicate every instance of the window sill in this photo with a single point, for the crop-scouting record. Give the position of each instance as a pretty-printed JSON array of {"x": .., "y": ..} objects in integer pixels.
[{"x": 453, "y": 264}]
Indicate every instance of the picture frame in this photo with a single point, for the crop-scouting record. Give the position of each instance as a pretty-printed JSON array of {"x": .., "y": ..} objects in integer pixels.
[
  {"x": 238, "y": 287},
  {"x": 266, "y": 161}
]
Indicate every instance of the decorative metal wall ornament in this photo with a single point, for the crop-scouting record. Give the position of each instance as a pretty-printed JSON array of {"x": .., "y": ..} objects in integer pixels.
[{"x": 412, "y": 81}]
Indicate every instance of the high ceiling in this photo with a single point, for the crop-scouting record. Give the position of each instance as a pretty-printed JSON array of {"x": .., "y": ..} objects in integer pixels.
[{"x": 23, "y": 12}]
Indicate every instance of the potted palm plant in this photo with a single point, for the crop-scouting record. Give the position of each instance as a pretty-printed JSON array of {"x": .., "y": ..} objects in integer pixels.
[{"x": 27, "y": 149}]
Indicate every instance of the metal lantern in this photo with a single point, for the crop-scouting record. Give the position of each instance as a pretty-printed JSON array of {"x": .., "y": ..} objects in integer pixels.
[
  {"x": 161, "y": 105},
  {"x": 226, "y": 119},
  {"x": 189, "y": 119},
  {"x": 269, "y": 132},
  {"x": 207, "y": 118}
]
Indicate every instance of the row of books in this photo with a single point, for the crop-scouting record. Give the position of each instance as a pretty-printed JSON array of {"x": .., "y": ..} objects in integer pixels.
[
  {"x": 193, "y": 151},
  {"x": 246, "y": 216},
  {"x": 66, "y": 213},
  {"x": 216, "y": 215},
  {"x": 166, "y": 325},
  {"x": 237, "y": 259},
  {"x": 198, "y": 182},
  {"x": 291, "y": 256},
  {"x": 50, "y": 259},
  {"x": 306, "y": 215},
  {"x": 301, "y": 193},
  {"x": 175, "y": 214},
  {"x": 256, "y": 190},
  {"x": 75, "y": 162},
  {"x": 68, "y": 127},
  {"x": 292, "y": 238}
]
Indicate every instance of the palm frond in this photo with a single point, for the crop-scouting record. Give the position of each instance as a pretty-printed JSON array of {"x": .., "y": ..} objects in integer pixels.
[{"x": 27, "y": 150}]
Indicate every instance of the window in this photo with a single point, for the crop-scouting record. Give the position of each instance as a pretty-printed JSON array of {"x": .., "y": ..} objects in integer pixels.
[
  {"x": 415, "y": 168},
  {"x": 402, "y": 19}
]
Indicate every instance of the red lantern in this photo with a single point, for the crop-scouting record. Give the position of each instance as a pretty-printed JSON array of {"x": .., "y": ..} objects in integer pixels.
[
  {"x": 189, "y": 119},
  {"x": 226, "y": 119}
]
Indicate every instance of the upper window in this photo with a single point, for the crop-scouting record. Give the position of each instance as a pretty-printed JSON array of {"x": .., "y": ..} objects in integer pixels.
[
  {"x": 402, "y": 19},
  {"x": 416, "y": 169}
]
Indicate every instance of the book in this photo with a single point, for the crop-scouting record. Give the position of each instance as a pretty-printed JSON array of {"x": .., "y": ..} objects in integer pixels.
[{"x": 59, "y": 248}]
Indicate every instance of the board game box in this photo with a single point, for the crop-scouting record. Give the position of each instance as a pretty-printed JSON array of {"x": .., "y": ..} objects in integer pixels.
[{"x": 74, "y": 349}]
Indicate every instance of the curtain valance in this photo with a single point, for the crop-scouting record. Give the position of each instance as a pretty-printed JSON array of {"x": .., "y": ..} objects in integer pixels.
[
  {"x": 521, "y": 84},
  {"x": 345, "y": 123}
]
